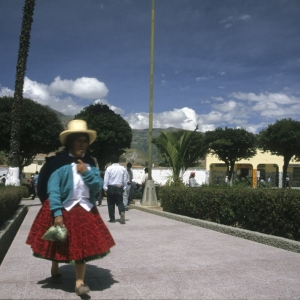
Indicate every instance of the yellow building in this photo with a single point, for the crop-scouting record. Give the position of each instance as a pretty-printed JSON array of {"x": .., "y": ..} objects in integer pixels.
[{"x": 263, "y": 166}]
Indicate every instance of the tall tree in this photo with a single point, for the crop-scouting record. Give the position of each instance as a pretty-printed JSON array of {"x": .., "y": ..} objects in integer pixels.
[
  {"x": 39, "y": 131},
  {"x": 14, "y": 152},
  {"x": 113, "y": 132},
  {"x": 175, "y": 146},
  {"x": 231, "y": 145},
  {"x": 281, "y": 138}
]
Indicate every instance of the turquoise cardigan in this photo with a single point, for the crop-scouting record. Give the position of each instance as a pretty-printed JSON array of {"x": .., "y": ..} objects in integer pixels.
[{"x": 60, "y": 186}]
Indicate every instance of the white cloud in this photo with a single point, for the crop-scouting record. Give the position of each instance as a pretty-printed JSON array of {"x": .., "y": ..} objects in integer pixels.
[
  {"x": 185, "y": 118},
  {"x": 4, "y": 91},
  {"x": 116, "y": 109},
  {"x": 203, "y": 78},
  {"x": 231, "y": 20},
  {"x": 217, "y": 98},
  {"x": 225, "y": 106},
  {"x": 279, "y": 98},
  {"x": 185, "y": 88},
  {"x": 247, "y": 110},
  {"x": 40, "y": 93},
  {"x": 84, "y": 87},
  {"x": 244, "y": 18},
  {"x": 228, "y": 26}
]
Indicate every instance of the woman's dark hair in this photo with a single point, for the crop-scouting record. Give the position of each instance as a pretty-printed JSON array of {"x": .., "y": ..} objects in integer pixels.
[{"x": 72, "y": 138}]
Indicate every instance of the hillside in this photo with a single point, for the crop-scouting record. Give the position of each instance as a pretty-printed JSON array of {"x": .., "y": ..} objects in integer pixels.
[
  {"x": 139, "y": 145},
  {"x": 63, "y": 118}
]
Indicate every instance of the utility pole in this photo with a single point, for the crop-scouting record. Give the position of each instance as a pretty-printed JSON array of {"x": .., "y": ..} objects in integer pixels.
[{"x": 149, "y": 195}]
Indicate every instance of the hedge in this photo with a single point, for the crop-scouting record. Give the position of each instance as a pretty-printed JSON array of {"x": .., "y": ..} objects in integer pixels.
[
  {"x": 10, "y": 198},
  {"x": 269, "y": 211}
]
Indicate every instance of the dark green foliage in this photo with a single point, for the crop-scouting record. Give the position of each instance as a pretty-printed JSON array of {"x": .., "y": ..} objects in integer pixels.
[
  {"x": 269, "y": 211},
  {"x": 283, "y": 139},
  {"x": 39, "y": 131},
  {"x": 113, "y": 132},
  {"x": 181, "y": 150},
  {"x": 10, "y": 198},
  {"x": 231, "y": 145}
]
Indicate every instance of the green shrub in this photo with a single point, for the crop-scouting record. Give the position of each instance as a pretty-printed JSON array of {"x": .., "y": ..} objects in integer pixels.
[
  {"x": 10, "y": 198},
  {"x": 269, "y": 211}
]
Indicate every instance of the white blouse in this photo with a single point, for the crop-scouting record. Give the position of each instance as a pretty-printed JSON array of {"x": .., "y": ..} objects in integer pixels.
[{"x": 80, "y": 193}]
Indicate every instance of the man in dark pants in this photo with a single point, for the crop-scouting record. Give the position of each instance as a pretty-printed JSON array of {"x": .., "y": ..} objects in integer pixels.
[{"x": 115, "y": 183}]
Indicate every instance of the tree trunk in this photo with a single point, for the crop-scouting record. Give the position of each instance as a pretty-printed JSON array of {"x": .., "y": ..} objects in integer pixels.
[
  {"x": 286, "y": 161},
  {"x": 13, "y": 177}
]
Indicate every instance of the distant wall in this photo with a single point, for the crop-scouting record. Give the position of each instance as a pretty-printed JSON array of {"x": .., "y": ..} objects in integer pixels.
[
  {"x": 161, "y": 175},
  {"x": 3, "y": 170}
]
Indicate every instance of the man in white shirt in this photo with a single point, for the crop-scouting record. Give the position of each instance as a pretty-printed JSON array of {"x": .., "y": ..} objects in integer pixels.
[{"x": 115, "y": 184}]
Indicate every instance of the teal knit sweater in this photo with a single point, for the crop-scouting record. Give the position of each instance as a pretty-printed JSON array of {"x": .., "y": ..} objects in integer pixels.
[{"x": 60, "y": 186}]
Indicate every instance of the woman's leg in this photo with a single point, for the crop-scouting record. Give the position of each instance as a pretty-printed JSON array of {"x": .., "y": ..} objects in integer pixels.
[
  {"x": 56, "y": 276},
  {"x": 80, "y": 273},
  {"x": 54, "y": 268}
]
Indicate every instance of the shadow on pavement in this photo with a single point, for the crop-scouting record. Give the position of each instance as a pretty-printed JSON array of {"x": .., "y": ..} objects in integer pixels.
[{"x": 98, "y": 279}]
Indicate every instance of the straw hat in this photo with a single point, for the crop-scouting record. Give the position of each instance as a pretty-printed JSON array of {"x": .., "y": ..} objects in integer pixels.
[{"x": 77, "y": 126}]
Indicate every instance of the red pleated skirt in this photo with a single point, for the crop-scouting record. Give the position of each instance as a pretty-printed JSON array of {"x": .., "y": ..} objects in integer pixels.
[{"x": 88, "y": 237}]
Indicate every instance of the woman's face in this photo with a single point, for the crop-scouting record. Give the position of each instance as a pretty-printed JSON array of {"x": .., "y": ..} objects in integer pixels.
[{"x": 80, "y": 146}]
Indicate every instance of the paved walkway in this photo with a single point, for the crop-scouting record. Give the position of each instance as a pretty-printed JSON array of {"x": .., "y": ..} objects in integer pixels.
[{"x": 158, "y": 258}]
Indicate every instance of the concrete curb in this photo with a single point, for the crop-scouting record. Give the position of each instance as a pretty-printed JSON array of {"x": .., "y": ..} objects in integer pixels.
[
  {"x": 261, "y": 238},
  {"x": 8, "y": 233}
]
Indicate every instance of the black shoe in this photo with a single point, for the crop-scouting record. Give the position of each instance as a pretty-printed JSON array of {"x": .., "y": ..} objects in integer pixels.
[{"x": 112, "y": 221}]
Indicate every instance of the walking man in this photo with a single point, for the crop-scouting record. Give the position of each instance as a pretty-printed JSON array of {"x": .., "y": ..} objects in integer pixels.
[
  {"x": 132, "y": 184},
  {"x": 115, "y": 184},
  {"x": 34, "y": 183}
]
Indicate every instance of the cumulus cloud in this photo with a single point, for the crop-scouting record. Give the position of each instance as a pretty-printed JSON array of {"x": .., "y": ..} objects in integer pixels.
[
  {"x": 116, "y": 109},
  {"x": 217, "y": 98},
  {"x": 84, "y": 87},
  {"x": 279, "y": 98},
  {"x": 247, "y": 110},
  {"x": 185, "y": 118},
  {"x": 225, "y": 106},
  {"x": 51, "y": 94},
  {"x": 4, "y": 91}
]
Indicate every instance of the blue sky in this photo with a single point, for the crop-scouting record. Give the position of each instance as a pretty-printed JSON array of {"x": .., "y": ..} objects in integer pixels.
[{"x": 216, "y": 63}]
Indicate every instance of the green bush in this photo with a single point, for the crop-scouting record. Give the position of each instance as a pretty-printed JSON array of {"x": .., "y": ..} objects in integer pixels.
[
  {"x": 269, "y": 211},
  {"x": 10, "y": 198}
]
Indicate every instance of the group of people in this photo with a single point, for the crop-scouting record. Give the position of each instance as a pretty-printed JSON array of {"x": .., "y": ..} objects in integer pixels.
[{"x": 68, "y": 187}]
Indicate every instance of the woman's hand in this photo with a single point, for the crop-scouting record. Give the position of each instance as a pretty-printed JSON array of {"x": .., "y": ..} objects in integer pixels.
[
  {"x": 59, "y": 221},
  {"x": 81, "y": 167}
]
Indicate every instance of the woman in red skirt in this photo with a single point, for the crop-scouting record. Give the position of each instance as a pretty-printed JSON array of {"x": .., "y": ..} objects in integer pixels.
[{"x": 73, "y": 182}]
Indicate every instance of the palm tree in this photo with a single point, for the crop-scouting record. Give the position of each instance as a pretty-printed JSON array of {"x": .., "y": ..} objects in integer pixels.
[
  {"x": 14, "y": 153},
  {"x": 175, "y": 150}
]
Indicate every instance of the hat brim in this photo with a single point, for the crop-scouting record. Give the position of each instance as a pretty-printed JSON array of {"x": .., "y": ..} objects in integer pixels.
[{"x": 91, "y": 133}]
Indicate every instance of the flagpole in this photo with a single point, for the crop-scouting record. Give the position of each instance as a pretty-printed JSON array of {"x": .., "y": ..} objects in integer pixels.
[
  {"x": 151, "y": 95},
  {"x": 149, "y": 195}
]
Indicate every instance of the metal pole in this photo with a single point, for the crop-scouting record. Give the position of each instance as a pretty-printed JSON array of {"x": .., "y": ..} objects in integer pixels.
[
  {"x": 149, "y": 195},
  {"x": 151, "y": 97}
]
